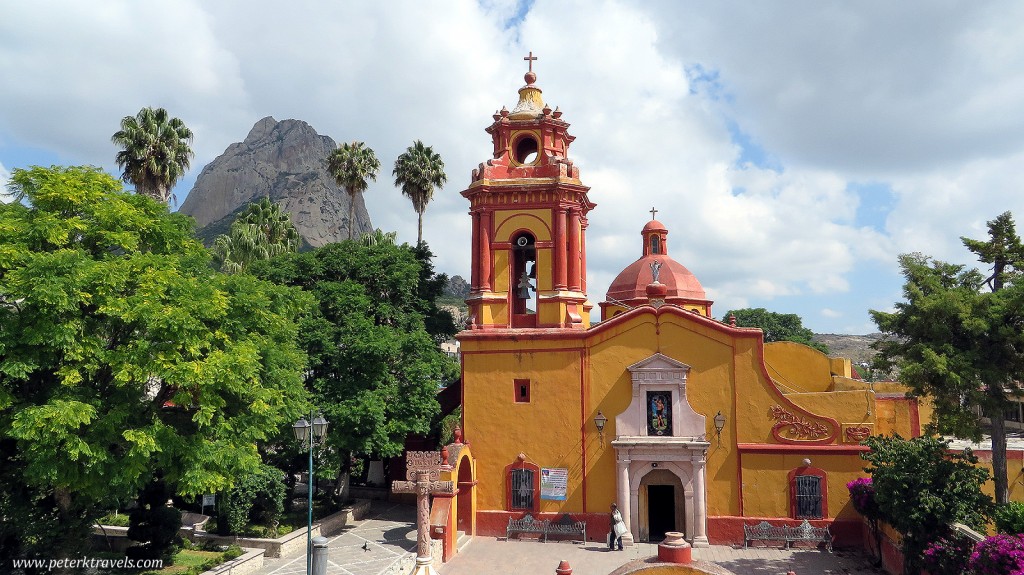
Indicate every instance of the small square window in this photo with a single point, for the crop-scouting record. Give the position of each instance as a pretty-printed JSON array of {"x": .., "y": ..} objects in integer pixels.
[{"x": 522, "y": 390}]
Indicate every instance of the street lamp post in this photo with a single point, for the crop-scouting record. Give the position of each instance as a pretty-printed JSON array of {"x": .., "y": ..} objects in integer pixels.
[{"x": 311, "y": 435}]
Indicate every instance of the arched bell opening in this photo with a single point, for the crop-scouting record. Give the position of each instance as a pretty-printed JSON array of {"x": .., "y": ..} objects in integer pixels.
[{"x": 524, "y": 274}]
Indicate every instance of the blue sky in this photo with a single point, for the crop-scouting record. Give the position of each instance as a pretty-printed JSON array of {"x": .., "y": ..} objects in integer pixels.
[{"x": 793, "y": 149}]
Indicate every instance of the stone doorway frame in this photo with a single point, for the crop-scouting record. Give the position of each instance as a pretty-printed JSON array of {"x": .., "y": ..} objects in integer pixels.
[{"x": 684, "y": 453}]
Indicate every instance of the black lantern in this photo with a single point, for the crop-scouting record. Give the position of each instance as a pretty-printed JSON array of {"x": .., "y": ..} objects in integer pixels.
[{"x": 301, "y": 430}]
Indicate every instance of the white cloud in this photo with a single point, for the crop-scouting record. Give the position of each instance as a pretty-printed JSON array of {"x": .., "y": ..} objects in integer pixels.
[{"x": 922, "y": 101}]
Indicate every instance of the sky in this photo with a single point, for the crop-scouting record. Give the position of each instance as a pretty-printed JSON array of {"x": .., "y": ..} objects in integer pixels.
[{"x": 793, "y": 149}]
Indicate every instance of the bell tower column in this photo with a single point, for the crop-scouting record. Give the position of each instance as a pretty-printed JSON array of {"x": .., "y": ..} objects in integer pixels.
[
  {"x": 558, "y": 257},
  {"x": 485, "y": 251},
  {"x": 474, "y": 270},
  {"x": 574, "y": 250}
]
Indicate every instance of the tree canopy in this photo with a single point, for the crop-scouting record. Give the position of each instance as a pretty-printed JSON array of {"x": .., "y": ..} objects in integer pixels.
[
  {"x": 124, "y": 356},
  {"x": 155, "y": 152},
  {"x": 776, "y": 326},
  {"x": 374, "y": 369},
  {"x": 958, "y": 344},
  {"x": 260, "y": 232},
  {"x": 418, "y": 171},
  {"x": 352, "y": 166}
]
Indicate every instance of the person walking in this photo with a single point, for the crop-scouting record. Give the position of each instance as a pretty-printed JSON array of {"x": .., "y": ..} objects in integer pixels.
[{"x": 618, "y": 529}]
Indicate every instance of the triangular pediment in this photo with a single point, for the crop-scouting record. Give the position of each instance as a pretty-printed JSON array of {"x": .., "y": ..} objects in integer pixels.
[{"x": 658, "y": 361}]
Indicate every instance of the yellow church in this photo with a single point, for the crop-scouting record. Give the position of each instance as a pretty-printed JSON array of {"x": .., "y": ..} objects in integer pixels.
[{"x": 687, "y": 423}]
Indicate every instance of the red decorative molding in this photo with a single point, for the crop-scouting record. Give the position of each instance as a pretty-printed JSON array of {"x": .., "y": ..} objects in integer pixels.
[
  {"x": 803, "y": 448},
  {"x": 804, "y": 430},
  {"x": 857, "y": 434}
]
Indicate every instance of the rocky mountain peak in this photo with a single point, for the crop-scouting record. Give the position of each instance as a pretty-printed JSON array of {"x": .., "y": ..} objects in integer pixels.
[{"x": 286, "y": 161}]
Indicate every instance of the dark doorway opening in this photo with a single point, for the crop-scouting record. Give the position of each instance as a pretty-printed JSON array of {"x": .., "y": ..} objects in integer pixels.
[{"x": 661, "y": 510}]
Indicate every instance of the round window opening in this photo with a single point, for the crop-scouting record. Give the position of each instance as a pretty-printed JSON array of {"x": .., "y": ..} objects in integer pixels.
[{"x": 526, "y": 150}]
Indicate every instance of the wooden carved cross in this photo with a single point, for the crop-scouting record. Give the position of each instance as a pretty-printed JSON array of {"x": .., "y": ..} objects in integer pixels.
[{"x": 422, "y": 470}]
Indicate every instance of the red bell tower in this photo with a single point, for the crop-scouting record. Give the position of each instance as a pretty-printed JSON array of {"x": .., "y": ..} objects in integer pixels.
[{"x": 529, "y": 210}]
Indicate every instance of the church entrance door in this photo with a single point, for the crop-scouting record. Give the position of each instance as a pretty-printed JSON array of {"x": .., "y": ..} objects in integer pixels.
[{"x": 661, "y": 510}]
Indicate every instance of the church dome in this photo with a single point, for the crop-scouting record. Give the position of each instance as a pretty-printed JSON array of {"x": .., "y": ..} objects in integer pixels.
[
  {"x": 656, "y": 276},
  {"x": 631, "y": 283}
]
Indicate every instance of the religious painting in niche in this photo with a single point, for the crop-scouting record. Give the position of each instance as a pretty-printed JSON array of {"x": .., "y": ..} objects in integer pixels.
[{"x": 659, "y": 413}]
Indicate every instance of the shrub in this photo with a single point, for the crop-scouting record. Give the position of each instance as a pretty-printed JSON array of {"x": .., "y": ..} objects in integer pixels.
[
  {"x": 862, "y": 494},
  {"x": 948, "y": 555},
  {"x": 999, "y": 555},
  {"x": 257, "y": 497},
  {"x": 1010, "y": 518},
  {"x": 921, "y": 487}
]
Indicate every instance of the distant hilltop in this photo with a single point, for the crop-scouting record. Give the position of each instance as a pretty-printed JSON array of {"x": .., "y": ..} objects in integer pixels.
[
  {"x": 287, "y": 162},
  {"x": 855, "y": 347}
]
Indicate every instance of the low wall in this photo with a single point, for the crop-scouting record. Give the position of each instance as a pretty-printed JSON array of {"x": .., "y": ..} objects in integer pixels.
[{"x": 292, "y": 543}]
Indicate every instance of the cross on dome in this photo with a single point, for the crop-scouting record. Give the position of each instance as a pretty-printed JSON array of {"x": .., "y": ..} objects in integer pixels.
[
  {"x": 530, "y": 59},
  {"x": 653, "y": 213}
]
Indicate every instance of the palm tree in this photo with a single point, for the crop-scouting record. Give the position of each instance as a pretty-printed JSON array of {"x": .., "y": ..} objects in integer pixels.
[
  {"x": 352, "y": 165},
  {"x": 418, "y": 172},
  {"x": 155, "y": 152},
  {"x": 260, "y": 232}
]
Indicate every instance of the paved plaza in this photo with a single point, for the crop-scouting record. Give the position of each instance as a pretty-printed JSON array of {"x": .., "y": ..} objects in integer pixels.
[{"x": 384, "y": 543}]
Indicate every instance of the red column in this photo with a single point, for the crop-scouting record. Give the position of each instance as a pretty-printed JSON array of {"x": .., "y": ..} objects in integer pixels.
[
  {"x": 558, "y": 249},
  {"x": 583, "y": 254},
  {"x": 574, "y": 251},
  {"x": 485, "y": 251},
  {"x": 474, "y": 270}
]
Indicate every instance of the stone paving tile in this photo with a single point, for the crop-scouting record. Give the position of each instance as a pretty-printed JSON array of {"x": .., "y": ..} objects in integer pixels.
[{"x": 389, "y": 537}]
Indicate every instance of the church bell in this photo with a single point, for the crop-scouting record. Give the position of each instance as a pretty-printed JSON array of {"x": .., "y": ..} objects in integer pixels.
[{"x": 524, "y": 287}]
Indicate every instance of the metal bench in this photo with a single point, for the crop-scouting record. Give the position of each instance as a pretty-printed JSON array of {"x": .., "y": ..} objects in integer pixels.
[
  {"x": 566, "y": 525},
  {"x": 527, "y": 524},
  {"x": 763, "y": 531},
  {"x": 807, "y": 532}
]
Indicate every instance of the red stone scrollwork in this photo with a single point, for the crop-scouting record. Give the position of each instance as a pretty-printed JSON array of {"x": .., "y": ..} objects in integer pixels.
[
  {"x": 857, "y": 434},
  {"x": 791, "y": 428}
]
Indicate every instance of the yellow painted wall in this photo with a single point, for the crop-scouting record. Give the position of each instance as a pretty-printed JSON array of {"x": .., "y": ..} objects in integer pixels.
[
  {"x": 796, "y": 367},
  {"x": 765, "y": 481},
  {"x": 583, "y": 371}
]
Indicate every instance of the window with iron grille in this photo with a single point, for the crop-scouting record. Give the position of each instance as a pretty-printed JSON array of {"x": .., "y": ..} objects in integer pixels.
[
  {"x": 808, "y": 497},
  {"x": 522, "y": 489}
]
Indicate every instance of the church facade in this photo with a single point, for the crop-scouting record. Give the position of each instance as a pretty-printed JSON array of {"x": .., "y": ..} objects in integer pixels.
[{"x": 687, "y": 423}]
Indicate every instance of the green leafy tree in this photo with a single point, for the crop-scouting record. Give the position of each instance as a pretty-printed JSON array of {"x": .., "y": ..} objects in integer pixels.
[
  {"x": 155, "y": 152},
  {"x": 260, "y": 232},
  {"x": 351, "y": 166},
  {"x": 374, "y": 369},
  {"x": 776, "y": 326},
  {"x": 921, "y": 488},
  {"x": 418, "y": 171},
  {"x": 960, "y": 345},
  {"x": 124, "y": 357}
]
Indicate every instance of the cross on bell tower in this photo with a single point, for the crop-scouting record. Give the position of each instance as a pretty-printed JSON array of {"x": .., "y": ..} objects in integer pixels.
[{"x": 529, "y": 211}]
